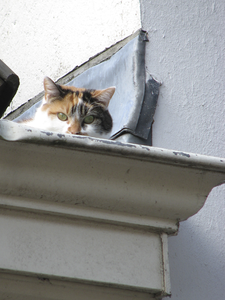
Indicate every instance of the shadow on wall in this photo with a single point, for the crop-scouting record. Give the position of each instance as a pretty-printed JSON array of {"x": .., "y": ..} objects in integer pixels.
[{"x": 197, "y": 260}]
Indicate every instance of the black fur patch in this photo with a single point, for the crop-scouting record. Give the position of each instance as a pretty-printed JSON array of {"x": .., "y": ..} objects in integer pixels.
[
  {"x": 63, "y": 92},
  {"x": 103, "y": 118},
  {"x": 87, "y": 97}
]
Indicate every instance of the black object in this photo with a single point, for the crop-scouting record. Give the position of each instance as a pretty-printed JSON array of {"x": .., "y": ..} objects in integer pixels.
[{"x": 9, "y": 83}]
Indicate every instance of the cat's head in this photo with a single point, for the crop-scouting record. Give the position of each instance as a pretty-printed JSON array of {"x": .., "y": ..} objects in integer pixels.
[{"x": 77, "y": 110}]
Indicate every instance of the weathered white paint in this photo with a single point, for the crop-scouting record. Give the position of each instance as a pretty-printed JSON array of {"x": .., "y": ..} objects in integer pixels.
[
  {"x": 40, "y": 38},
  {"x": 27, "y": 287},
  {"x": 134, "y": 179},
  {"x": 186, "y": 52},
  {"x": 82, "y": 251},
  {"x": 95, "y": 211}
]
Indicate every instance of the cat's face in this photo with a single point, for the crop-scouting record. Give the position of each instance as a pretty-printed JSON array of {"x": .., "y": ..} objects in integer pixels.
[{"x": 73, "y": 110}]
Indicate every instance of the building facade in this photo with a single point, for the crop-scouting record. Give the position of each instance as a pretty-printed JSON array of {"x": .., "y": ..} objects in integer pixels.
[{"x": 185, "y": 53}]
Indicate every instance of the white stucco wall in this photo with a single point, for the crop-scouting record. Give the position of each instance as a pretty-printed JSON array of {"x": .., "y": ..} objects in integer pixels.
[
  {"x": 49, "y": 38},
  {"x": 186, "y": 52}
]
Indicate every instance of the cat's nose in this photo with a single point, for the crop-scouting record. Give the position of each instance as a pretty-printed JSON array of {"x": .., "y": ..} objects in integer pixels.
[
  {"x": 74, "y": 129},
  {"x": 74, "y": 132}
]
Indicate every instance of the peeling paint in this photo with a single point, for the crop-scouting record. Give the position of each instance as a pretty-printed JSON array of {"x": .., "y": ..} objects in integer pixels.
[
  {"x": 44, "y": 279},
  {"x": 47, "y": 133},
  {"x": 182, "y": 154},
  {"x": 61, "y": 135}
]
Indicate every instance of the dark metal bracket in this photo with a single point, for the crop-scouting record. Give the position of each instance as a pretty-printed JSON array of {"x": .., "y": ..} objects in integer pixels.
[{"x": 9, "y": 83}]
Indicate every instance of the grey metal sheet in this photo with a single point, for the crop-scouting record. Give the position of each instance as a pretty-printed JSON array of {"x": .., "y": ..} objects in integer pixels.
[
  {"x": 133, "y": 104},
  {"x": 126, "y": 71}
]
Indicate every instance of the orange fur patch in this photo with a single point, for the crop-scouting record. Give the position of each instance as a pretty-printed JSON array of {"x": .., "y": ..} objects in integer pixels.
[{"x": 64, "y": 106}]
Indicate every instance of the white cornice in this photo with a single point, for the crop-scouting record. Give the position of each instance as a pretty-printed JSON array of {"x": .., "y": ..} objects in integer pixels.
[
  {"x": 82, "y": 209},
  {"x": 90, "y": 173}
]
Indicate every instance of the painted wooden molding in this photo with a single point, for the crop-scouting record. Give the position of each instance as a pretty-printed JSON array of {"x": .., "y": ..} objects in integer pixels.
[{"x": 95, "y": 212}]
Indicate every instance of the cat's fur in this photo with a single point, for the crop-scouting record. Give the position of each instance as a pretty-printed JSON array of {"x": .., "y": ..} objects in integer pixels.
[{"x": 72, "y": 110}]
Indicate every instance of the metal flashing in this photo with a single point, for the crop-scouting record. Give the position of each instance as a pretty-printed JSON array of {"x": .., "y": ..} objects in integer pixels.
[{"x": 134, "y": 102}]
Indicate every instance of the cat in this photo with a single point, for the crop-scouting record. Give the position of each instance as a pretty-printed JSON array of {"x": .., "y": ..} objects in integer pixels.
[{"x": 79, "y": 111}]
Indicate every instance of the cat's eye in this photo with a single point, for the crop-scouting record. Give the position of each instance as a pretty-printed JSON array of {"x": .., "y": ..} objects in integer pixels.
[
  {"x": 62, "y": 116},
  {"x": 89, "y": 119}
]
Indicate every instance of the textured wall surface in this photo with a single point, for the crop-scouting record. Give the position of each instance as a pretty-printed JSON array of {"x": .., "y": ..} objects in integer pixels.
[
  {"x": 186, "y": 52},
  {"x": 49, "y": 38}
]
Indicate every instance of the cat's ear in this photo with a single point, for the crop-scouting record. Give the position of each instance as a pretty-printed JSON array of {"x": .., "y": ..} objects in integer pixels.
[
  {"x": 52, "y": 91},
  {"x": 104, "y": 96}
]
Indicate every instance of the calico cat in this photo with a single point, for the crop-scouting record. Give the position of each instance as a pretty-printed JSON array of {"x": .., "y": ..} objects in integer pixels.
[{"x": 67, "y": 109}]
